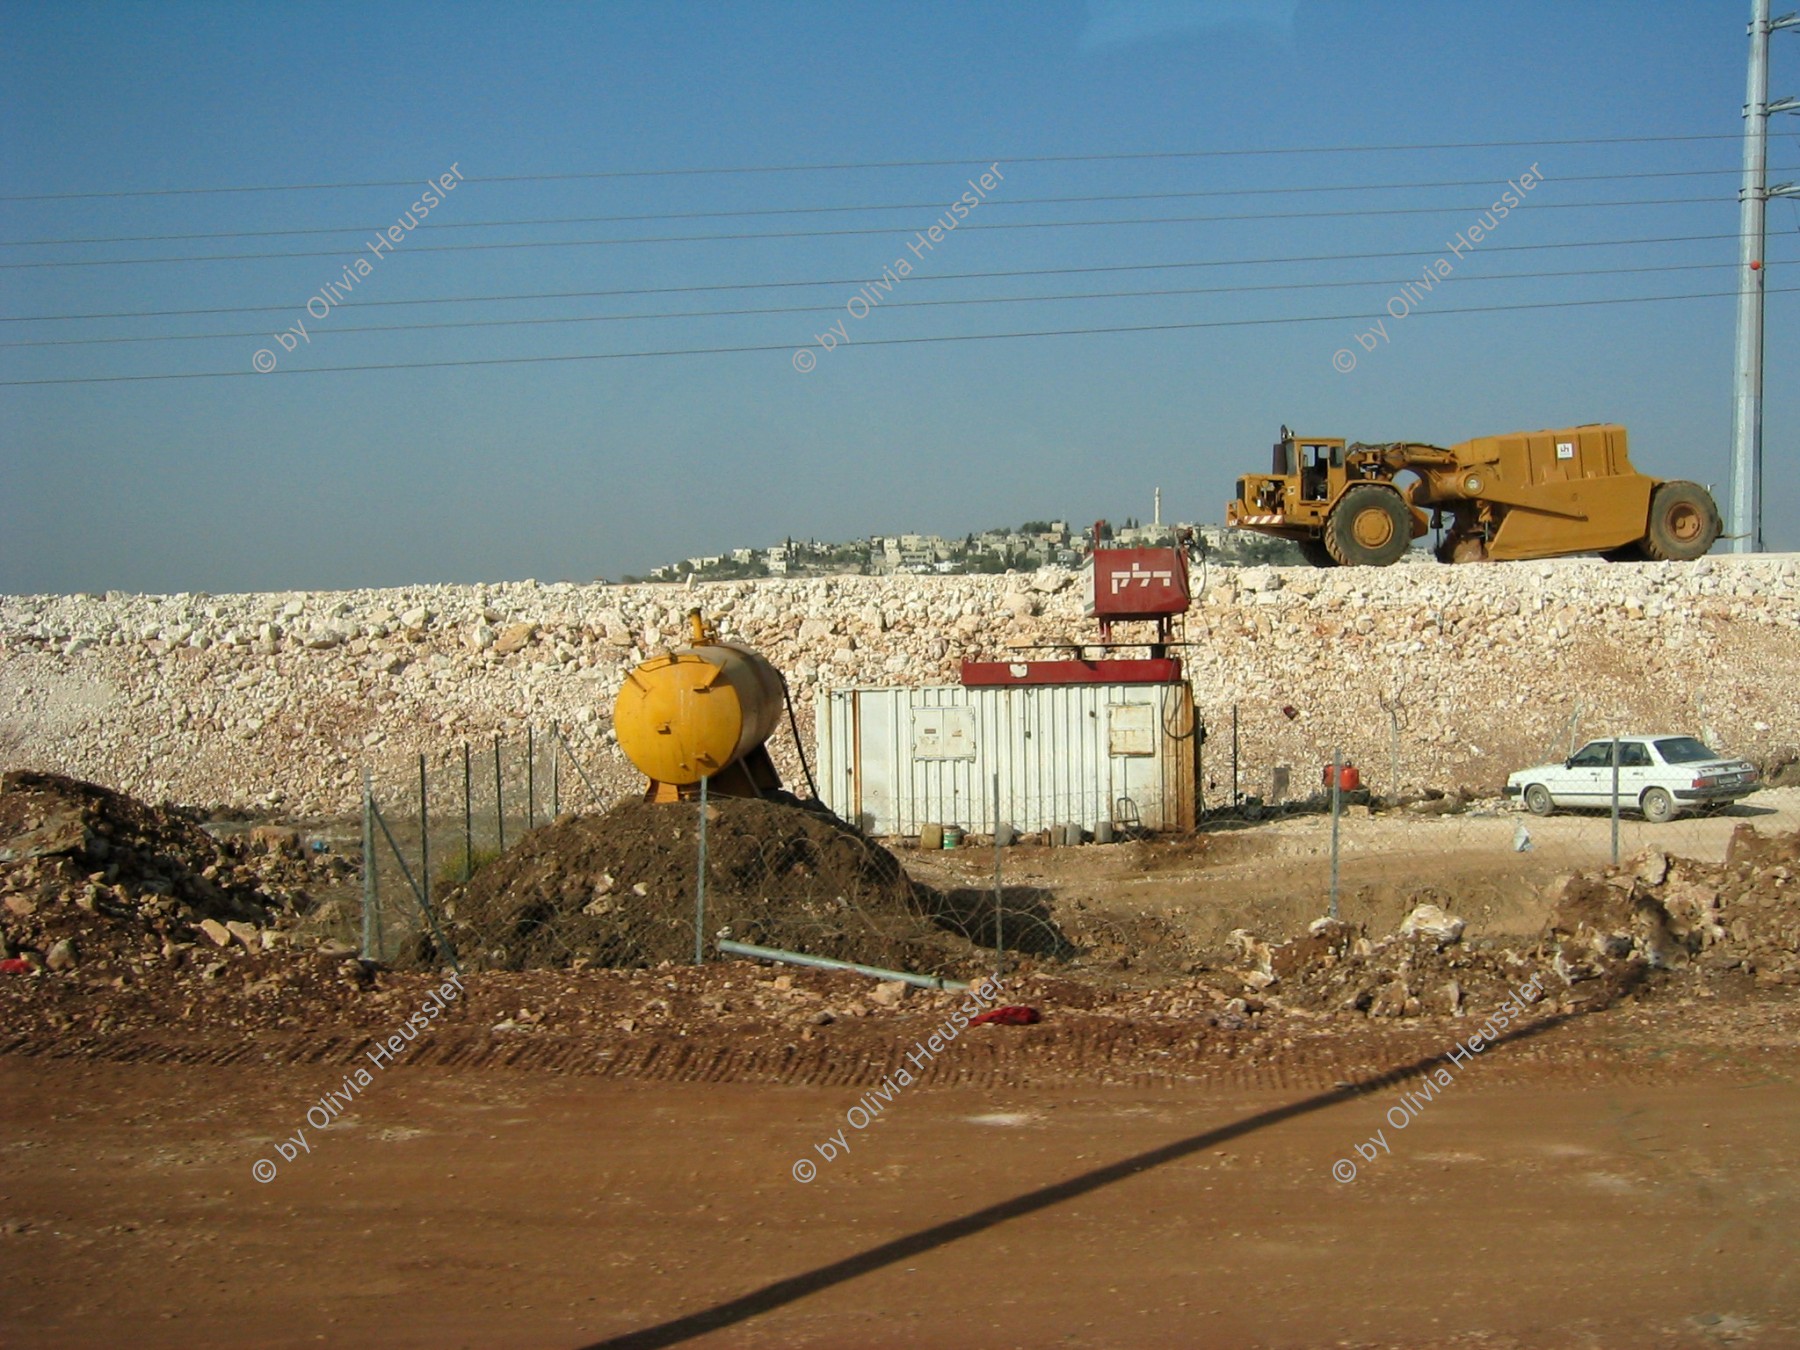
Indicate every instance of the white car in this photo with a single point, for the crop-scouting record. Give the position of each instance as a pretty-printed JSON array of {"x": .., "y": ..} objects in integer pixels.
[{"x": 1660, "y": 776}]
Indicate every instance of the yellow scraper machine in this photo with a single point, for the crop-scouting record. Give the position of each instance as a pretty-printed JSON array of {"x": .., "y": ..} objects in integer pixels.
[
  {"x": 1529, "y": 494},
  {"x": 701, "y": 711}
]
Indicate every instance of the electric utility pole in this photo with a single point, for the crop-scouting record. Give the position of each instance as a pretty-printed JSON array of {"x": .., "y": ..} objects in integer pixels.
[{"x": 1745, "y": 526}]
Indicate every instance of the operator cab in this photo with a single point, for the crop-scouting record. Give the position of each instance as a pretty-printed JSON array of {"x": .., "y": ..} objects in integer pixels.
[
  {"x": 1311, "y": 461},
  {"x": 1305, "y": 476},
  {"x": 1316, "y": 464}
]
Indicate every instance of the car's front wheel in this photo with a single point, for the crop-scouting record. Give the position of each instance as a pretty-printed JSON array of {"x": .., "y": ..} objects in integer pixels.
[
  {"x": 1538, "y": 801},
  {"x": 1658, "y": 806}
]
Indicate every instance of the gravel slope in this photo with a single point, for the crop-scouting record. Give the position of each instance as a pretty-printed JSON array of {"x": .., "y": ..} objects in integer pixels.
[{"x": 281, "y": 698}]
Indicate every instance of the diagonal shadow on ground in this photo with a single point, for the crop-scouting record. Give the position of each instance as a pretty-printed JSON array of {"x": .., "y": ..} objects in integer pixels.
[{"x": 796, "y": 1287}]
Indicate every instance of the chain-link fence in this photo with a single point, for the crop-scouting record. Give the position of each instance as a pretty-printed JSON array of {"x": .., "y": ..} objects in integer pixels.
[
  {"x": 642, "y": 883},
  {"x": 1279, "y": 854},
  {"x": 457, "y": 869},
  {"x": 434, "y": 820}
]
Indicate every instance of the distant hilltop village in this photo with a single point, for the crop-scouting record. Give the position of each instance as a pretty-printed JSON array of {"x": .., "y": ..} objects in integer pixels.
[{"x": 1035, "y": 544}]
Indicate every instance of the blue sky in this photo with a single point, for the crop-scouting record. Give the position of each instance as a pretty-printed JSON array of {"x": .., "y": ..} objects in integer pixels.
[{"x": 305, "y": 478}]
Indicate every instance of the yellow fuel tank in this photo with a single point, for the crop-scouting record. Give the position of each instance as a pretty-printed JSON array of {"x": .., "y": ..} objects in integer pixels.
[{"x": 697, "y": 712}]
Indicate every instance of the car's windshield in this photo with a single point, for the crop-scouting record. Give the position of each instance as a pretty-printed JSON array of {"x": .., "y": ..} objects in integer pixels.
[{"x": 1684, "y": 750}]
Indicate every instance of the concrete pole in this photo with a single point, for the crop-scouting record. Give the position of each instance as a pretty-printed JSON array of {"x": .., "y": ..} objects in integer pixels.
[
  {"x": 1745, "y": 524},
  {"x": 700, "y": 885},
  {"x": 1337, "y": 814}
]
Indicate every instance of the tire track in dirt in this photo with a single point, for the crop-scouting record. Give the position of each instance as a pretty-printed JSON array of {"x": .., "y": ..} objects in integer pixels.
[{"x": 1090, "y": 1053}]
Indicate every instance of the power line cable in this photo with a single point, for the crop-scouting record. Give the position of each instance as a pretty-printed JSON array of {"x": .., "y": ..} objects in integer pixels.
[
  {"x": 937, "y": 278},
  {"x": 861, "y": 342},
  {"x": 411, "y": 249},
  {"x": 967, "y": 161},
  {"x": 1009, "y": 203},
  {"x": 890, "y": 305}
]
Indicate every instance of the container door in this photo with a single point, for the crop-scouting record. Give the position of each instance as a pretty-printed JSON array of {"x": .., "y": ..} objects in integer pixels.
[
  {"x": 874, "y": 717},
  {"x": 1131, "y": 748}
]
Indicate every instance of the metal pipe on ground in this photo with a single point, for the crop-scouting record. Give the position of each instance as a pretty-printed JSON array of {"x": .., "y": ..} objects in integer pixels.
[{"x": 828, "y": 963}]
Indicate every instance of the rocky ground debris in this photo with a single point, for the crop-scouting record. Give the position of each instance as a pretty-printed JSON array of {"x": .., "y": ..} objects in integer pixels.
[{"x": 279, "y": 699}]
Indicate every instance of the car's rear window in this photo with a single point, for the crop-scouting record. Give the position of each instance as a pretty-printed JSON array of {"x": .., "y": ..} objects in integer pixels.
[{"x": 1684, "y": 750}]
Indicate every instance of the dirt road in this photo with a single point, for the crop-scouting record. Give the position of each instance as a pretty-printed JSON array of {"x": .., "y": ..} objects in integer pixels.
[
  {"x": 1201, "y": 1143},
  {"x": 1621, "y": 1180}
]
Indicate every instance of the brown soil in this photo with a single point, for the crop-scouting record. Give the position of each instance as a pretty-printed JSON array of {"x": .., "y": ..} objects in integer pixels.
[
  {"x": 115, "y": 878},
  {"x": 618, "y": 889},
  {"x": 571, "y": 1154},
  {"x": 1615, "y": 1185},
  {"x": 144, "y": 983},
  {"x": 74, "y": 830}
]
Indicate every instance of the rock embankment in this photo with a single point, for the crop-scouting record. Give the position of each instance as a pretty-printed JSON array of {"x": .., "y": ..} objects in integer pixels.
[{"x": 280, "y": 699}]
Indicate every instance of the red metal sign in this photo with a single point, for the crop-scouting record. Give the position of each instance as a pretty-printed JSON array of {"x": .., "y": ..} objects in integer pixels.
[{"x": 1139, "y": 583}]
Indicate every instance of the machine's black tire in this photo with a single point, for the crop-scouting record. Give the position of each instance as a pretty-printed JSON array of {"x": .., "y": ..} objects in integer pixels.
[
  {"x": 1369, "y": 527},
  {"x": 1684, "y": 523},
  {"x": 1315, "y": 552}
]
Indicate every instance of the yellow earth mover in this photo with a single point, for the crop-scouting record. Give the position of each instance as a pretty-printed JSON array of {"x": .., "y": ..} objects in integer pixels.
[{"x": 1530, "y": 494}]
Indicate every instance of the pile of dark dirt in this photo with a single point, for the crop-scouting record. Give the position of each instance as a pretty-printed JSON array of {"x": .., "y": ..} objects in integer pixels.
[
  {"x": 97, "y": 870},
  {"x": 618, "y": 889}
]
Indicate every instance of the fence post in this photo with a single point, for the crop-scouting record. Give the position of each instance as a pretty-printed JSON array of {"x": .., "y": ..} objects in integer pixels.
[
  {"x": 1337, "y": 811},
  {"x": 1236, "y": 801},
  {"x": 1391, "y": 706},
  {"x": 555, "y": 773},
  {"x": 700, "y": 887},
  {"x": 371, "y": 915},
  {"x": 1615, "y": 801},
  {"x": 1199, "y": 770},
  {"x": 999, "y": 892},
  {"x": 424, "y": 835},
  {"x": 530, "y": 779},
  {"x": 468, "y": 817},
  {"x": 499, "y": 801}
]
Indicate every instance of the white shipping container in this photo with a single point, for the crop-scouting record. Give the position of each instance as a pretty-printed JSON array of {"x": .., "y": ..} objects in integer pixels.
[{"x": 893, "y": 760}]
